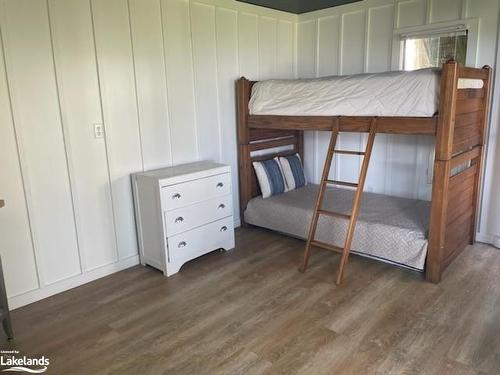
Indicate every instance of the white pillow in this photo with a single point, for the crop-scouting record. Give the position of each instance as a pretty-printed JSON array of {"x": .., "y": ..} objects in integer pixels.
[
  {"x": 293, "y": 171},
  {"x": 270, "y": 177}
]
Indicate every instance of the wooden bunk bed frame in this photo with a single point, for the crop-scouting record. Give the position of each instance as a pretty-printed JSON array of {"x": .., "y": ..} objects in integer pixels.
[{"x": 459, "y": 127}]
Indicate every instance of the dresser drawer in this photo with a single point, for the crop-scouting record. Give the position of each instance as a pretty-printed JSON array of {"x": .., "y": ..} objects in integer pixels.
[
  {"x": 192, "y": 216},
  {"x": 201, "y": 240},
  {"x": 179, "y": 195}
]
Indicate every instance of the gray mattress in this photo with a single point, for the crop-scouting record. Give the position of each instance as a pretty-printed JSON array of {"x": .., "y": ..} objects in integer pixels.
[{"x": 390, "y": 229}]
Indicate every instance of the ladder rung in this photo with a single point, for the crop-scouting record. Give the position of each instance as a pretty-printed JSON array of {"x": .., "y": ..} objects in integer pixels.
[
  {"x": 334, "y": 214},
  {"x": 326, "y": 246},
  {"x": 345, "y": 152},
  {"x": 334, "y": 182}
]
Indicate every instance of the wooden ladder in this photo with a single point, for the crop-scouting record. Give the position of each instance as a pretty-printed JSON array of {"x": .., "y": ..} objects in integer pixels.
[{"x": 355, "y": 205}]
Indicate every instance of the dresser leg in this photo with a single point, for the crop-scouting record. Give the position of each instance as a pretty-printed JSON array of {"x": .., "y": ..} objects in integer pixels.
[{"x": 172, "y": 269}]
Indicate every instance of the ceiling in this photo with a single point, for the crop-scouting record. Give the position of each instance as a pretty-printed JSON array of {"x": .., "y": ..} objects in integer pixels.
[{"x": 298, "y": 6}]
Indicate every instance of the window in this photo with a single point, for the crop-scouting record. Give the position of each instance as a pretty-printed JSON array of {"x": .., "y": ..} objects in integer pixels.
[{"x": 432, "y": 49}]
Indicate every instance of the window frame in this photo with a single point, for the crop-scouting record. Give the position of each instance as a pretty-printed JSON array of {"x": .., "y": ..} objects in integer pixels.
[{"x": 471, "y": 24}]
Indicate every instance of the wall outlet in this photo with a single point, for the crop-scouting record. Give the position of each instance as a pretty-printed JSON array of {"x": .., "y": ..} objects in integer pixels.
[{"x": 98, "y": 131}]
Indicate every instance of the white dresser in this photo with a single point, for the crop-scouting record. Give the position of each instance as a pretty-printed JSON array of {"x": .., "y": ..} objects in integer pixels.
[{"x": 183, "y": 212}]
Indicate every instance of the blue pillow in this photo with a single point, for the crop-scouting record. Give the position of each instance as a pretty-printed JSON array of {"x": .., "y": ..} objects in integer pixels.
[
  {"x": 270, "y": 177},
  {"x": 293, "y": 171}
]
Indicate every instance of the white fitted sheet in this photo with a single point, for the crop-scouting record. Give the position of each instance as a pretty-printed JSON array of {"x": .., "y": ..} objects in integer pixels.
[{"x": 397, "y": 93}]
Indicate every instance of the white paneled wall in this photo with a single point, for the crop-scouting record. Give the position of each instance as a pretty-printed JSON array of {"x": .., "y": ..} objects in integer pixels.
[
  {"x": 42, "y": 151},
  {"x": 358, "y": 38},
  {"x": 115, "y": 64},
  {"x": 80, "y": 107},
  {"x": 150, "y": 78},
  {"x": 159, "y": 74},
  {"x": 21, "y": 273}
]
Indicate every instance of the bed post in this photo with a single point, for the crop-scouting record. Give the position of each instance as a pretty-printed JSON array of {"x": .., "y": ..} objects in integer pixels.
[
  {"x": 243, "y": 88},
  {"x": 442, "y": 170},
  {"x": 479, "y": 160}
]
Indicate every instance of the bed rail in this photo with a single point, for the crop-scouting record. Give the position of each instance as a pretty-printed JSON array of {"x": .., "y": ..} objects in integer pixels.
[
  {"x": 356, "y": 124},
  {"x": 463, "y": 117}
]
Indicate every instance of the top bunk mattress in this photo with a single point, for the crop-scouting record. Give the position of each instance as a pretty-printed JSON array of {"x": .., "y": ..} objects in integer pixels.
[
  {"x": 390, "y": 229},
  {"x": 398, "y": 93}
]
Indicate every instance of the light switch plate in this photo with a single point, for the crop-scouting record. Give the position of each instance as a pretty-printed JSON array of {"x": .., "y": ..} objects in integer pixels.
[{"x": 98, "y": 131}]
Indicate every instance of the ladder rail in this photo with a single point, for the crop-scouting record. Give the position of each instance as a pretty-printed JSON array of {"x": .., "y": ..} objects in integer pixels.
[
  {"x": 319, "y": 199},
  {"x": 353, "y": 216},
  {"x": 357, "y": 201}
]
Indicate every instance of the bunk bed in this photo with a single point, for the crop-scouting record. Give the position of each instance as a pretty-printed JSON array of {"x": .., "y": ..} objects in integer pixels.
[{"x": 459, "y": 127}]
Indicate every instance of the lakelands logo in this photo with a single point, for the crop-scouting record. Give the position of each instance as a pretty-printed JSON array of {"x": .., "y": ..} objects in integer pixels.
[{"x": 13, "y": 361}]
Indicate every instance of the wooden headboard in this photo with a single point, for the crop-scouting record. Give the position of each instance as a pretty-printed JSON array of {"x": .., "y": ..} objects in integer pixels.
[{"x": 267, "y": 143}]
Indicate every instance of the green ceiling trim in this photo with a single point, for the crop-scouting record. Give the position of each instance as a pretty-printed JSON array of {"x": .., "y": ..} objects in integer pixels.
[
  {"x": 311, "y": 5},
  {"x": 291, "y": 6},
  {"x": 298, "y": 6}
]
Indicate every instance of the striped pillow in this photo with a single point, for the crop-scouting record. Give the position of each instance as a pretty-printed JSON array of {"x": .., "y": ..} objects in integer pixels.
[
  {"x": 293, "y": 171},
  {"x": 270, "y": 176}
]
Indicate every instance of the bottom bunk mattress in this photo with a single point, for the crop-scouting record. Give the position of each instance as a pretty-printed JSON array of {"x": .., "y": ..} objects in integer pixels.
[{"x": 390, "y": 229}]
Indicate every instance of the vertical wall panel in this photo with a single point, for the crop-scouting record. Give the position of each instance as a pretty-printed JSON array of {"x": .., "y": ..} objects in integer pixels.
[
  {"x": 80, "y": 107},
  {"x": 227, "y": 63},
  {"x": 147, "y": 38},
  {"x": 267, "y": 47},
  {"x": 445, "y": 10},
  {"x": 487, "y": 12},
  {"x": 179, "y": 62},
  {"x": 411, "y": 13},
  {"x": 306, "y": 47},
  {"x": 353, "y": 42},
  {"x": 328, "y": 46},
  {"x": 285, "y": 50},
  {"x": 426, "y": 145},
  {"x": 16, "y": 248},
  {"x": 402, "y": 157},
  {"x": 306, "y": 68},
  {"x": 352, "y": 61},
  {"x": 328, "y": 64},
  {"x": 34, "y": 96},
  {"x": 116, "y": 73},
  {"x": 376, "y": 177},
  {"x": 205, "y": 74},
  {"x": 379, "y": 47},
  {"x": 248, "y": 45}
]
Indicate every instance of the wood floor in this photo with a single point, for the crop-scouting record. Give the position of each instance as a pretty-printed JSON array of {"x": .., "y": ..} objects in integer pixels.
[{"x": 249, "y": 311}]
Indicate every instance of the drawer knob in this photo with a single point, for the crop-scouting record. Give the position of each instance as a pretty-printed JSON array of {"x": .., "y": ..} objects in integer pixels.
[
  {"x": 180, "y": 219},
  {"x": 176, "y": 196},
  {"x": 182, "y": 244},
  {"x": 222, "y": 205},
  {"x": 220, "y": 184},
  {"x": 223, "y": 229}
]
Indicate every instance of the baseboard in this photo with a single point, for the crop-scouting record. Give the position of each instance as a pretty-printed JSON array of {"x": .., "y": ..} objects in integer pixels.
[
  {"x": 489, "y": 239},
  {"x": 70, "y": 283}
]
